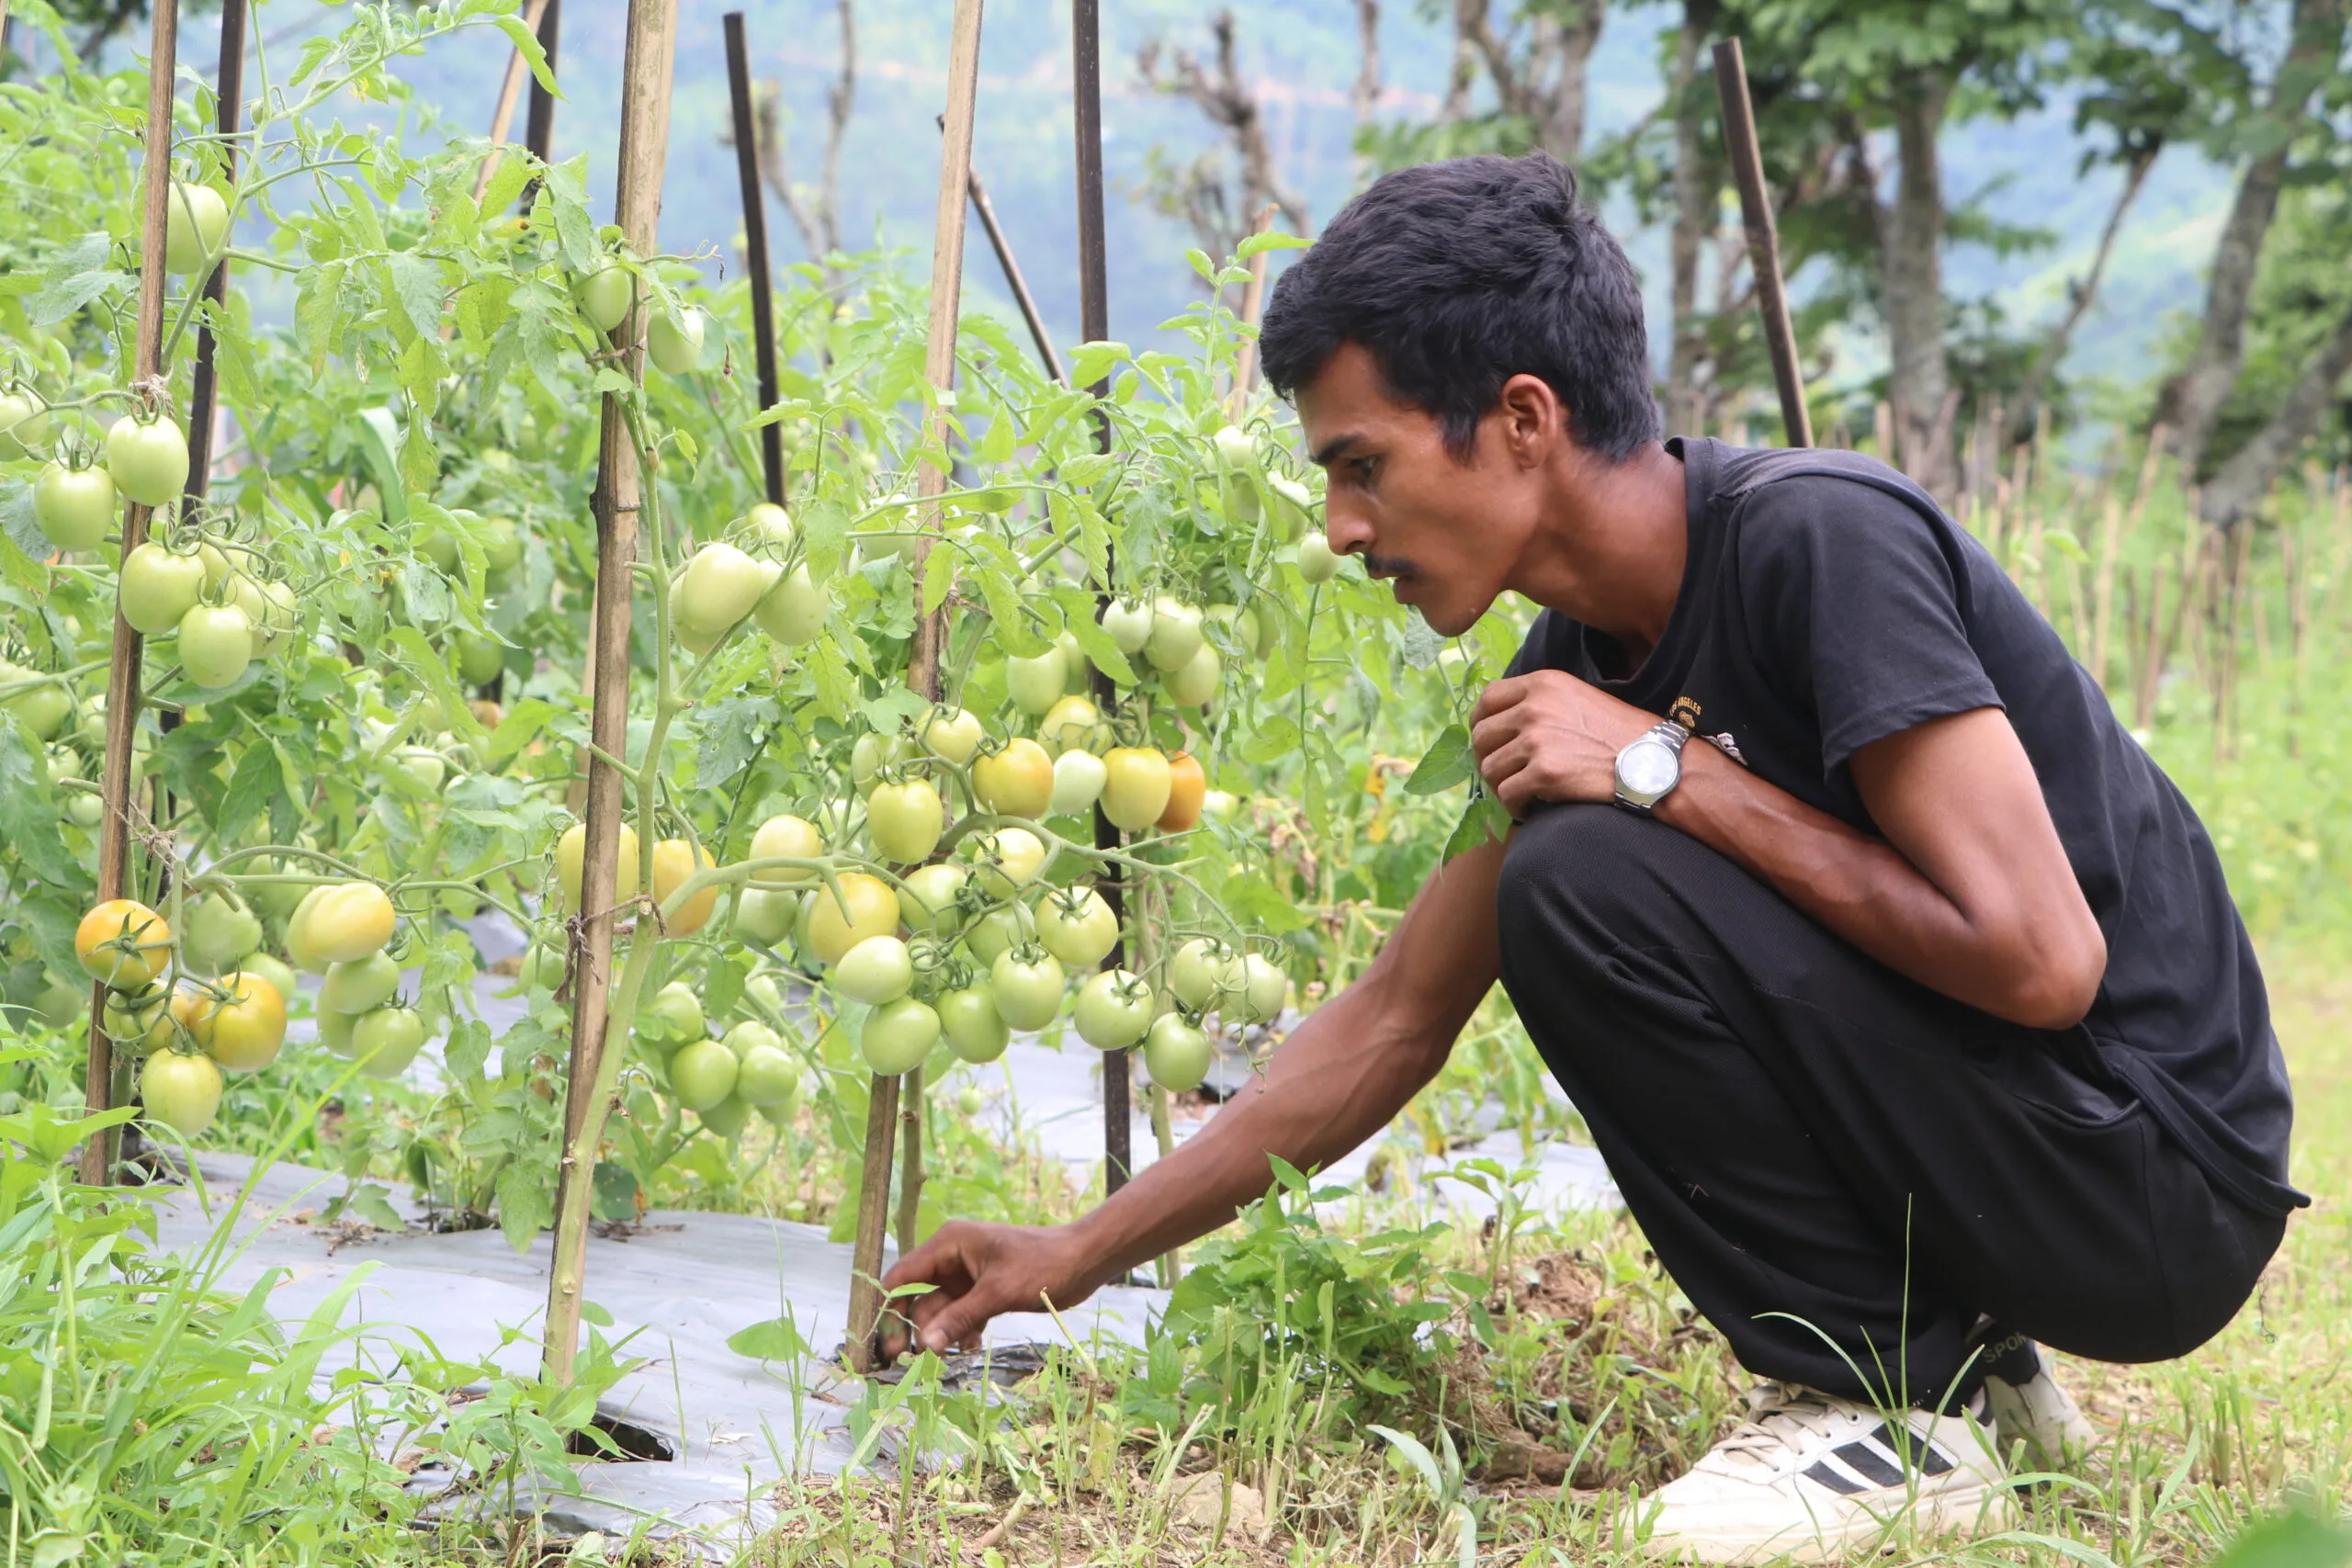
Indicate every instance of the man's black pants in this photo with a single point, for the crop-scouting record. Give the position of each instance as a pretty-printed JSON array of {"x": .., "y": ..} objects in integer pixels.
[{"x": 1840, "y": 1168}]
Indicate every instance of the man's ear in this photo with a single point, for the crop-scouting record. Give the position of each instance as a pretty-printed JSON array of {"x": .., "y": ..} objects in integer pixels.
[{"x": 1533, "y": 422}]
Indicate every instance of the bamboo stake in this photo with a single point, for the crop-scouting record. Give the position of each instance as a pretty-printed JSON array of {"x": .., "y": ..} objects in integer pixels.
[
  {"x": 2103, "y": 614},
  {"x": 755, "y": 247},
  {"x": 538, "y": 123},
  {"x": 1763, "y": 240},
  {"x": 646, "y": 70},
  {"x": 123, "y": 665},
  {"x": 2143, "y": 707},
  {"x": 1094, "y": 325},
  {"x": 204, "y": 388},
  {"x": 502, "y": 118},
  {"x": 922, "y": 671},
  {"x": 2225, "y": 664},
  {"x": 1014, "y": 280},
  {"x": 1253, "y": 305}
]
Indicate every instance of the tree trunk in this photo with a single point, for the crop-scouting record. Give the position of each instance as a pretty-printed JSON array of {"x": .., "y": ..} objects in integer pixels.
[
  {"x": 1364, "y": 99},
  {"x": 1698, "y": 181},
  {"x": 1559, "y": 119},
  {"x": 2192, "y": 404},
  {"x": 1920, "y": 382},
  {"x": 2080, "y": 294},
  {"x": 2248, "y": 474}
]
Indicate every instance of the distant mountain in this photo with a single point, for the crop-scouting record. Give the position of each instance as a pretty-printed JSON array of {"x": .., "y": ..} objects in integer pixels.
[{"x": 1305, "y": 54}]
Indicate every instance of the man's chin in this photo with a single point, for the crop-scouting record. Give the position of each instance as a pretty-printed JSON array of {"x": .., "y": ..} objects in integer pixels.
[{"x": 1446, "y": 620}]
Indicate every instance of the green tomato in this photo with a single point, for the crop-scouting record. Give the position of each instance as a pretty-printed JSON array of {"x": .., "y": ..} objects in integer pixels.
[
  {"x": 606, "y": 293},
  {"x": 42, "y": 709},
  {"x": 216, "y": 645},
  {"x": 148, "y": 459},
  {"x": 1009, "y": 858},
  {"x": 157, "y": 589},
  {"x": 73, "y": 507},
  {"x": 1078, "y": 777},
  {"x": 181, "y": 1091},
  {"x": 1263, "y": 990},
  {"x": 1027, "y": 984},
  {"x": 1113, "y": 1010},
  {"x": 975, "y": 1032},
  {"x": 1293, "y": 506},
  {"x": 952, "y": 734},
  {"x": 997, "y": 931},
  {"x": 274, "y": 969},
  {"x": 1317, "y": 562},
  {"x": 1202, "y": 971},
  {"x": 898, "y": 1036},
  {"x": 877, "y": 970},
  {"x": 139, "y": 1024},
  {"x": 359, "y": 985},
  {"x": 387, "y": 1040},
  {"x": 196, "y": 228},
  {"x": 749, "y": 1037},
  {"x": 1077, "y": 927},
  {"x": 1034, "y": 683},
  {"x": 674, "y": 1015},
  {"x": 676, "y": 346},
  {"x": 721, "y": 586},
  {"x": 1175, "y": 634},
  {"x": 24, "y": 422},
  {"x": 793, "y": 611},
  {"x": 728, "y": 1118},
  {"x": 703, "y": 1074},
  {"x": 927, "y": 898},
  {"x": 769, "y": 523},
  {"x": 1129, "y": 623},
  {"x": 767, "y": 1079},
  {"x": 218, "y": 932},
  {"x": 763, "y": 918},
  {"x": 501, "y": 542},
  {"x": 1177, "y": 1054},
  {"x": 905, "y": 820},
  {"x": 1195, "y": 681},
  {"x": 481, "y": 658}
]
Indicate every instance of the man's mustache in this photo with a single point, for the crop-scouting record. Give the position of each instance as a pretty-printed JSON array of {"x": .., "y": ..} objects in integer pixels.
[{"x": 1388, "y": 566}]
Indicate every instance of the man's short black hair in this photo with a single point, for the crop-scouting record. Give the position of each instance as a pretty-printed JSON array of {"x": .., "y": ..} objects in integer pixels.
[{"x": 1458, "y": 276}]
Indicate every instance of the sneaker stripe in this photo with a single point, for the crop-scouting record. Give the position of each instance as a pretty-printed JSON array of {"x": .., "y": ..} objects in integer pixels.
[
  {"x": 1829, "y": 1475},
  {"x": 1865, "y": 1459},
  {"x": 1932, "y": 1459}
]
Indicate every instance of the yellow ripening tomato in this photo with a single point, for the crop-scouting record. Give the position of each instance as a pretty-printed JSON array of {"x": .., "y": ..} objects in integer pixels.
[
  {"x": 872, "y": 909},
  {"x": 347, "y": 922},
  {"x": 246, "y": 1031},
  {"x": 571, "y": 850},
  {"x": 675, "y": 860},
  {"x": 1016, "y": 781},
  {"x": 124, "y": 944},
  {"x": 1136, "y": 787}
]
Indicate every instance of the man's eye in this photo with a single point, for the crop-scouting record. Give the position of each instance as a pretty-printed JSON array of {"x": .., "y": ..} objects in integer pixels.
[{"x": 1364, "y": 468}]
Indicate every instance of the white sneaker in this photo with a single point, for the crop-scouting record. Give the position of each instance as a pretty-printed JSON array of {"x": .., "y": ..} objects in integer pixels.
[
  {"x": 2030, "y": 1409},
  {"x": 1808, "y": 1476}
]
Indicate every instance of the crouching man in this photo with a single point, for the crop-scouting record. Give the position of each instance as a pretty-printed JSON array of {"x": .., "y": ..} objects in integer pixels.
[{"x": 1900, "y": 990}]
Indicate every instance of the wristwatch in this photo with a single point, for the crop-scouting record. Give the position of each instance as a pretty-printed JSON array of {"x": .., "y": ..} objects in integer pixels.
[{"x": 1648, "y": 770}]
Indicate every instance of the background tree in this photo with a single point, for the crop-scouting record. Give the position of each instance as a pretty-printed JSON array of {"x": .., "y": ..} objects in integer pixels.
[{"x": 1221, "y": 192}]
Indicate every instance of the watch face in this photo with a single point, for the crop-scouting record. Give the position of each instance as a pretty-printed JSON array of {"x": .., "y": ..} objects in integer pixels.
[{"x": 1648, "y": 767}]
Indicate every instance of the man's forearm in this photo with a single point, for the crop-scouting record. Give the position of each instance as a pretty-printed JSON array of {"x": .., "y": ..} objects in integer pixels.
[
  {"x": 1861, "y": 888},
  {"x": 1339, "y": 1078}
]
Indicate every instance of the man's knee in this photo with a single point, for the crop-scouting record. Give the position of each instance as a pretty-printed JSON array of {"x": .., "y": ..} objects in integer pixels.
[{"x": 1579, "y": 880}]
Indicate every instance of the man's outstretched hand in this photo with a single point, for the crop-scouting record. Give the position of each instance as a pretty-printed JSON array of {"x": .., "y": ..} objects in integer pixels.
[{"x": 981, "y": 1270}]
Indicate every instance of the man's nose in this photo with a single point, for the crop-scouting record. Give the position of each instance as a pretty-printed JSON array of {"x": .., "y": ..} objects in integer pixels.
[{"x": 1347, "y": 531}]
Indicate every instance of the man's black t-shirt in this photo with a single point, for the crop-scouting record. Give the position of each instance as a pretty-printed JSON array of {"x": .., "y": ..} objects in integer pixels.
[{"x": 1827, "y": 603}]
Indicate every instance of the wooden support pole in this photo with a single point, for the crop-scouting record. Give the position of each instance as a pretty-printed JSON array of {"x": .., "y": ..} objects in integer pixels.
[
  {"x": 646, "y": 68},
  {"x": 1095, "y": 326},
  {"x": 1253, "y": 306},
  {"x": 510, "y": 90},
  {"x": 923, "y": 666},
  {"x": 123, "y": 665},
  {"x": 1014, "y": 280},
  {"x": 1763, "y": 240},
  {"x": 755, "y": 249},
  {"x": 204, "y": 387}
]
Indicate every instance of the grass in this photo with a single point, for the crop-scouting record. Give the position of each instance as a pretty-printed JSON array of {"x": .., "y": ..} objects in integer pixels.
[{"x": 1591, "y": 1384}]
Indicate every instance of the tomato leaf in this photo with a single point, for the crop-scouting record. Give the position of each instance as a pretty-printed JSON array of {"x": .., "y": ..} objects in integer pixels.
[
  {"x": 1483, "y": 823},
  {"x": 255, "y": 783},
  {"x": 1447, "y": 762},
  {"x": 28, "y": 811},
  {"x": 776, "y": 1341}
]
